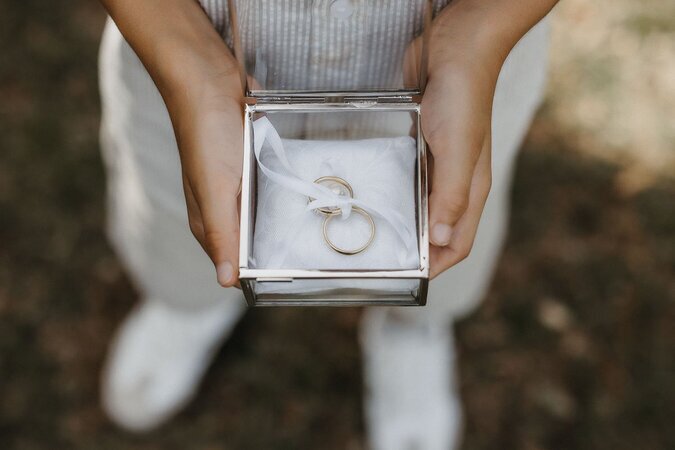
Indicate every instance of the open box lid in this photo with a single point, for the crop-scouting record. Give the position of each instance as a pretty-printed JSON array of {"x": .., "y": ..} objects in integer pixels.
[{"x": 331, "y": 48}]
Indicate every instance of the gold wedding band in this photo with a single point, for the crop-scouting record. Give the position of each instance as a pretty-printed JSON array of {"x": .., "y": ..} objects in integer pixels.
[
  {"x": 344, "y": 251},
  {"x": 328, "y": 211}
]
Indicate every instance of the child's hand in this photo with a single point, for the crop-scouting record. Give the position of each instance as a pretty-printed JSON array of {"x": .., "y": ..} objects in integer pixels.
[
  {"x": 470, "y": 40},
  {"x": 199, "y": 80},
  {"x": 209, "y": 131}
]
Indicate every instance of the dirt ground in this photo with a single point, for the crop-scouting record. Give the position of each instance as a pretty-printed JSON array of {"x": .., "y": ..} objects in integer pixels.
[{"x": 574, "y": 347}]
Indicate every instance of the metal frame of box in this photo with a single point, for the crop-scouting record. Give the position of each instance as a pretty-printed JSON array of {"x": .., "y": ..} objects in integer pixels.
[
  {"x": 308, "y": 101},
  {"x": 330, "y": 102}
]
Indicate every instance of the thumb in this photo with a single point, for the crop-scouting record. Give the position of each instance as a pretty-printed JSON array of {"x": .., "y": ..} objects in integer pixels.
[
  {"x": 454, "y": 162},
  {"x": 218, "y": 207},
  {"x": 455, "y": 121}
]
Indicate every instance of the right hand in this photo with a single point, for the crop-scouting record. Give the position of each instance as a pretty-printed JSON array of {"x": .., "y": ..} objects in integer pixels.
[
  {"x": 200, "y": 83},
  {"x": 468, "y": 44},
  {"x": 209, "y": 131}
]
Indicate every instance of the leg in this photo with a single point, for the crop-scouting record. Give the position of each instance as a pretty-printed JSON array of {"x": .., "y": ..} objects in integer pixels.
[
  {"x": 409, "y": 355},
  {"x": 166, "y": 344}
]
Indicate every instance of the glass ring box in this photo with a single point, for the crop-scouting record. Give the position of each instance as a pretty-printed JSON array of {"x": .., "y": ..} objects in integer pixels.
[{"x": 334, "y": 192}]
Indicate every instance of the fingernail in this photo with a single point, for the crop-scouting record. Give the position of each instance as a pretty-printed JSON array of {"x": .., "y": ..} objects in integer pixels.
[
  {"x": 440, "y": 234},
  {"x": 224, "y": 272}
]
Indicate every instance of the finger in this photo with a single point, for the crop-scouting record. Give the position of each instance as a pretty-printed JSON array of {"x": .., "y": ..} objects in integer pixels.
[
  {"x": 196, "y": 224},
  {"x": 194, "y": 214},
  {"x": 253, "y": 84},
  {"x": 411, "y": 76},
  {"x": 220, "y": 225},
  {"x": 411, "y": 64},
  {"x": 195, "y": 218},
  {"x": 464, "y": 233},
  {"x": 213, "y": 173},
  {"x": 455, "y": 141}
]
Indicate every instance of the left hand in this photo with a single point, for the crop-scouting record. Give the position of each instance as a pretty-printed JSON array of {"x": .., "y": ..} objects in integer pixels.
[{"x": 470, "y": 40}]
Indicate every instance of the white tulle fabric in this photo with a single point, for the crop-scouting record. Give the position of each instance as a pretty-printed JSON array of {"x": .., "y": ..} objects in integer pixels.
[{"x": 288, "y": 230}]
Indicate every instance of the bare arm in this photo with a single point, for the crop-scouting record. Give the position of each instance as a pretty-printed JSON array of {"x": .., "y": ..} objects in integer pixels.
[
  {"x": 198, "y": 79},
  {"x": 470, "y": 41}
]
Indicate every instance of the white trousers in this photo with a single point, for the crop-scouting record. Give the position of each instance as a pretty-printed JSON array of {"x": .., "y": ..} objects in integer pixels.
[{"x": 147, "y": 216}]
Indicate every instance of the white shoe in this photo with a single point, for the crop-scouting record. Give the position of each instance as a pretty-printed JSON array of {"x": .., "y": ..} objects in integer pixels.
[
  {"x": 411, "y": 400},
  {"x": 158, "y": 359}
]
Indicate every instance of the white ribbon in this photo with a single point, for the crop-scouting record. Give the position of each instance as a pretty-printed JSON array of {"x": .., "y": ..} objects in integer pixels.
[{"x": 263, "y": 130}]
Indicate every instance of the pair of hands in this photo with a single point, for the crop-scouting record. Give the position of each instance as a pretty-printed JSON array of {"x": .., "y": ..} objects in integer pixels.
[{"x": 469, "y": 41}]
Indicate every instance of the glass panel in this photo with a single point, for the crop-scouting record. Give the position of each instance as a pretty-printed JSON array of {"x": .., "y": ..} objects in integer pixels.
[
  {"x": 338, "y": 291},
  {"x": 366, "y": 157},
  {"x": 331, "y": 45}
]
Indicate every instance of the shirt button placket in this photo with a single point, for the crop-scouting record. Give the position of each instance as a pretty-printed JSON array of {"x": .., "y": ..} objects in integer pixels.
[{"x": 341, "y": 9}]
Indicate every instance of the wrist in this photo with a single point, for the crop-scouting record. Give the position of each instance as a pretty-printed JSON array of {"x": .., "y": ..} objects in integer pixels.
[
  {"x": 197, "y": 85},
  {"x": 463, "y": 36},
  {"x": 479, "y": 34},
  {"x": 177, "y": 44},
  {"x": 193, "y": 70}
]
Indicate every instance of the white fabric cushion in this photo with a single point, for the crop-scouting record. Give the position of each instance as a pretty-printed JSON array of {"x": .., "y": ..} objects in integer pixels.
[{"x": 381, "y": 171}]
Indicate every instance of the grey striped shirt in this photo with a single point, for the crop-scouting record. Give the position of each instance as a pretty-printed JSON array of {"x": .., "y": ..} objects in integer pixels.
[{"x": 323, "y": 44}]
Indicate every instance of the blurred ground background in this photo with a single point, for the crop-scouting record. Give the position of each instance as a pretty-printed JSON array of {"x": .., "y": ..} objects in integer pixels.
[{"x": 574, "y": 348}]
